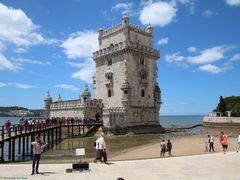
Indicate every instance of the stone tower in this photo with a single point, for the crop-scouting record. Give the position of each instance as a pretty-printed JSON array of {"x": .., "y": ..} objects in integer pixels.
[
  {"x": 47, "y": 104},
  {"x": 126, "y": 75}
]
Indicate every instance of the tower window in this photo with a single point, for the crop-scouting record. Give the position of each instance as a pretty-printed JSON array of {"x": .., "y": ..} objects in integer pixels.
[
  {"x": 110, "y": 62},
  {"x": 142, "y": 93},
  {"x": 109, "y": 93},
  {"x": 141, "y": 61},
  {"x": 125, "y": 91},
  {"x": 142, "y": 76}
]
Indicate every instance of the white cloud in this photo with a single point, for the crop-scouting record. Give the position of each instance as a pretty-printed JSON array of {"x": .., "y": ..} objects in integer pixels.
[
  {"x": 18, "y": 29},
  {"x": 211, "y": 69},
  {"x": 81, "y": 44},
  {"x": 67, "y": 86},
  {"x": 236, "y": 57},
  {"x": 191, "y": 49},
  {"x": 20, "y": 50},
  {"x": 233, "y": 2},
  {"x": 184, "y": 1},
  {"x": 208, "y": 13},
  {"x": 190, "y": 5},
  {"x": 158, "y": 13},
  {"x": 175, "y": 57},
  {"x": 30, "y": 61},
  {"x": 17, "y": 85},
  {"x": 163, "y": 41},
  {"x": 205, "y": 59},
  {"x": 86, "y": 70},
  {"x": 6, "y": 64},
  {"x": 1, "y": 46},
  {"x": 126, "y": 8},
  {"x": 208, "y": 55}
]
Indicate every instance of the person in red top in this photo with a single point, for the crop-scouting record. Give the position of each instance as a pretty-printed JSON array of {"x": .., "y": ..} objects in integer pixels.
[
  {"x": 224, "y": 141},
  {"x": 8, "y": 125}
]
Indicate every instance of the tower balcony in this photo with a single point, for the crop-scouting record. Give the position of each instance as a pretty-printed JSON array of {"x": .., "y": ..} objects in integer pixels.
[{"x": 108, "y": 83}]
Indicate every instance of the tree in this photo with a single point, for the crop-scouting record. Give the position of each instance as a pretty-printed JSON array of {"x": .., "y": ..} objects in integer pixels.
[{"x": 221, "y": 105}]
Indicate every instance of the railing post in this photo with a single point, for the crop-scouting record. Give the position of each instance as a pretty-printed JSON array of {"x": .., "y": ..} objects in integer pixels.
[
  {"x": 13, "y": 149},
  {"x": 9, "y": 132},
  {"x": 2, "y": 132},
  {"x": 15, "y": 128}
]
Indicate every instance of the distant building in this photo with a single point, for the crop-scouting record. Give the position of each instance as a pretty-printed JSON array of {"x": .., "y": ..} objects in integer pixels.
[{"x": 125, "y": 80}]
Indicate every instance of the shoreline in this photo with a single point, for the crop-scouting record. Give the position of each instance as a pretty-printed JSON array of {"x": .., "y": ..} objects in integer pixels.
[{"x": 186, "y": 142}]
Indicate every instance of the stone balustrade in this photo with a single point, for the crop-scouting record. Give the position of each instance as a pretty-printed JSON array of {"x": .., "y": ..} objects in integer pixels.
[
  {"x": 76, "y": 104},
  {"x": 221, "y": 119},
  {"x": 123, "y": 45}
]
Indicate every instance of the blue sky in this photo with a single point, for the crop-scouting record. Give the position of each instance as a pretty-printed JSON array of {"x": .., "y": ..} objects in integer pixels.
[{"x": 47, "y": 45}]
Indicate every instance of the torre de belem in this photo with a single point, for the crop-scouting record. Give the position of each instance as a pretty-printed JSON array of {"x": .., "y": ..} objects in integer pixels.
[{"x": 124, "y": 82}]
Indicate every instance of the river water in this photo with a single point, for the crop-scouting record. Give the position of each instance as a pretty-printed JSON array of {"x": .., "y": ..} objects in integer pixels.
[{"x": 164, "y": 120}]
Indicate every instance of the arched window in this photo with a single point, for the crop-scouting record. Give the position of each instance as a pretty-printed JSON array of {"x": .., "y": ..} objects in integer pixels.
[
  {"x": 109, "y": 61},
  {"x": 141, "y": 61},
  {"x": 142, "y": 93},
  {"x": 109, "y": 93}
]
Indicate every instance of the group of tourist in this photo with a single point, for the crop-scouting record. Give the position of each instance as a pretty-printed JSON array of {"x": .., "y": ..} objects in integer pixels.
[
  {"x": 209, "y": 144},
  {"x": 101, "y": 154},
  {"x": 223, "y": 137},
  {"x": 165, "y": 148}
]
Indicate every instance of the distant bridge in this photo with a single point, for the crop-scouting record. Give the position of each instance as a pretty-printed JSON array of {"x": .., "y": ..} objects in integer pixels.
[{"x": 19, "y": 137}]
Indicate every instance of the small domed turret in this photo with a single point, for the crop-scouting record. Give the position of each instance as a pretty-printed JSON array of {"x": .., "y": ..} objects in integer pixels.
[
  {"x": 125, "y": 19},
  {"x": 86, "y": 94},
  {"x": 48, "y": 97},
  {"x": 47, "y": 104},
  {"x": 59, "y": 99},
  {"x": 149, "y": 28}
]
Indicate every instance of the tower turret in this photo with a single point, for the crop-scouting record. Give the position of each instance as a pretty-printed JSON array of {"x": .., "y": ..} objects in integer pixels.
[
  {"x": 125, "y": 20},
  {"x": 59, "y": 99},
  {"x": 86, "y": 95},
  {"x": 47, "y": 104}
]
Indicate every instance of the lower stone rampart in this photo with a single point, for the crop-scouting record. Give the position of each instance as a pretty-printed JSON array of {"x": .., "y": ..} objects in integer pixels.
[{"x": 221, "y": 122}]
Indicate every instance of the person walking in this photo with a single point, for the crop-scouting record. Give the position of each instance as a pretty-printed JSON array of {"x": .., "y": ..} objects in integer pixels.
[
  {"x": 238, "y": 142},
  {"x": 211, "y": 143},
  {"x": 163, "y": 148},
  {"x": 224, "y": 141},
  {"x": 101, "y": 149},
  {"x": 169, "y": 148},
  {"x": 37, "y": 149}
]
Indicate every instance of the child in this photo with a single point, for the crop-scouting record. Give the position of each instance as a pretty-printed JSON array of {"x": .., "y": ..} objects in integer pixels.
[{"x": 206, "y": 147}]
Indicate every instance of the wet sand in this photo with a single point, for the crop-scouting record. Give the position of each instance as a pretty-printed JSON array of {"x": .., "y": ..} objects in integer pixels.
[{"x": 182, "y": 146}]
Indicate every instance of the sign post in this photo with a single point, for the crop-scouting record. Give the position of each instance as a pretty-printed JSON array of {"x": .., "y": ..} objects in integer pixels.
[{"x": 80, "y": 152}]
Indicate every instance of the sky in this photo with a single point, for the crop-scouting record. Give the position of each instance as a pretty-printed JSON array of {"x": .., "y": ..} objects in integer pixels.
[{"x": 47, "y": 46}]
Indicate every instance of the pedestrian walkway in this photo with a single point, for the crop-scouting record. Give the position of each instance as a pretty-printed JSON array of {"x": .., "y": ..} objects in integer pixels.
[{"x": 208, "y": 166}]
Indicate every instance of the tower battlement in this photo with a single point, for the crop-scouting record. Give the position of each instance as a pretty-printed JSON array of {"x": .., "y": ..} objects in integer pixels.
[{"x": 126, "y": 45}]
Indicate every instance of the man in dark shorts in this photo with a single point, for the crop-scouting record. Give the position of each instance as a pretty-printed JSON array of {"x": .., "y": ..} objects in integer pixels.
[{"x": 224, "y": 141}]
